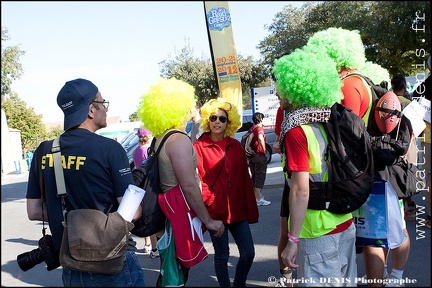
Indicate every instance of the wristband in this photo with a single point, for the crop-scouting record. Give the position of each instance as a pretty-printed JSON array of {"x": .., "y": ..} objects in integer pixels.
[{"x": 293, "y": 239}]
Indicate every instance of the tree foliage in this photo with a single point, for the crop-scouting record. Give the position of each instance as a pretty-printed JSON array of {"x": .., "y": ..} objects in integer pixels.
[
  {"x": 287, "y": 33},
  {"x": 11, "y": 68},
  {"x": 134, "y": 117},
  {"x": 386, "y": 28},
  {"x": 24, "y": 118},
  {"x": 54, "y": 132},
  {"x": 199, "y": 73}
]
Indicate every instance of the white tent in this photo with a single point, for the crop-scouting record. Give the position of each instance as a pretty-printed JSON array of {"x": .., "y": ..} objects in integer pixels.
[{"x": 11, "y": 149}]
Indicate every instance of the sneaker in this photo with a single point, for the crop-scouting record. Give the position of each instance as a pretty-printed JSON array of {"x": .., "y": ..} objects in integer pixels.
[
  {"x": 392, "y": 281},
  {"x": 281, "y": 282},
  {"x": 147, "y": 248},
  {"x": 154, "y": 254},
  {"x": 143, "y": 251},
  {"x": 285, "y": 280},
  {"x": 363, "y": 280},
  {"x": 263, "y": 202}
]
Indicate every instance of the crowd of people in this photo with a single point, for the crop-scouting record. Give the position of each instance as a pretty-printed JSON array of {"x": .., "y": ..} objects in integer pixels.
[{"x": 222, "y": 187}]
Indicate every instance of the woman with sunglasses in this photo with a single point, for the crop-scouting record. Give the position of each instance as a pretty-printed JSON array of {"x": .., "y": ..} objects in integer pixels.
[
  {"x": 177, "y": 162},
  {"x": 227, "y": 189}
]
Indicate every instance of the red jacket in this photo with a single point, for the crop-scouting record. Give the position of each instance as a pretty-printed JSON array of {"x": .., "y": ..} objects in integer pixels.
[{"x": 227, "y": 189}]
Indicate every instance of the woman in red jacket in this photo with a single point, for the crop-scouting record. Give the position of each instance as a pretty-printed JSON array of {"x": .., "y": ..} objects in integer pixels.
[{"x": 227, "y": 189}]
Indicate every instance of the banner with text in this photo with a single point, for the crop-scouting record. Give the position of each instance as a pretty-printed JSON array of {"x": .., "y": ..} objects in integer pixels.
[{"x": 223, "y": 51}]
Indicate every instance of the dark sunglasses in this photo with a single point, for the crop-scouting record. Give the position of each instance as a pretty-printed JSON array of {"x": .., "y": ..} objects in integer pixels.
[{"x": 222, "y": 119}]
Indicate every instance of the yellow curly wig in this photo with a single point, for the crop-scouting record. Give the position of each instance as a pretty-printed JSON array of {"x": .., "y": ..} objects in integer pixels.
[
  {"x": 211, "y": 107},
  {"x": 166, "y": 105}
]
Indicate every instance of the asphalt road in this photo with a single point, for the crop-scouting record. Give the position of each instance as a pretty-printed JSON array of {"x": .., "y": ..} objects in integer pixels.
[{"x": 19, "y": 235}]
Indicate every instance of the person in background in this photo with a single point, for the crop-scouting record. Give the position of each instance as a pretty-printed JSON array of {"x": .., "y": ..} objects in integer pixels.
[
  {"x": 89, "y": 182},
  {"x": 195, "y": 132},
  {"x": 177, "y": 159},
  {"x": 399, "y": 85},
  {"x": 425, "y": 90},
  {"x": 227, "y": 189},
  {"x": 29, "y": 157},
  {"x": 139, "y": 155},
  {"x": 346, "y": 49},
  {"x": 258, "y": 163},
  {"x": 312, "y": 234}
]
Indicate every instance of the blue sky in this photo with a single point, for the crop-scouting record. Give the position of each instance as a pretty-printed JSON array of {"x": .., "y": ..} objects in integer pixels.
[{"x": 116, "y": 45}]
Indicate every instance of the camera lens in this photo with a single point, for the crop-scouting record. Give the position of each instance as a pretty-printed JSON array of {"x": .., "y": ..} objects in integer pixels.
[
  {"x": 44, "y": 252},
  {"x": 28, "y": 260}
]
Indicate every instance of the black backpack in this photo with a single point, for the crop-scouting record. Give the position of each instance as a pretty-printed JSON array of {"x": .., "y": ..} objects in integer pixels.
[
  {"x": 146, "y": 177},
  {"x": 390, "y": 162},
  {"x": 350, "y": 164},
  {"x": 248, "y": 143}
]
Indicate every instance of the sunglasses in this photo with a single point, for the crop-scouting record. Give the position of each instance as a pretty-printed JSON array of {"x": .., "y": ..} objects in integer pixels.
[{"x": 222, "y": 119}]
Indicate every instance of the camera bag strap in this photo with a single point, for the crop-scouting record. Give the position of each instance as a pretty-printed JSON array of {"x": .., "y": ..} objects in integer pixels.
[
  {"x": 42, "y": 183},
  {"x": 58, "y": 171}
]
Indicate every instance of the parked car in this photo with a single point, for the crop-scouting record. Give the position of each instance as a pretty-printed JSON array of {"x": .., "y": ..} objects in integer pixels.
[
  {"x": 129, "y": 144},
  {"x": 130, "y": 141},
  {"x": 247, "y": 124}
]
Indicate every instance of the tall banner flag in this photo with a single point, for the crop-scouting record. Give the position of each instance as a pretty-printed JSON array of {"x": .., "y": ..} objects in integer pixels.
[{"x": 223, "y": 52}]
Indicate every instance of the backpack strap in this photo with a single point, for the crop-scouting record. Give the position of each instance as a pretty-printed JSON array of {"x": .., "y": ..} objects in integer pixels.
[
  {"x": 390, "y": 111},
  {"x": 252, "y": 132},
  {"x": 153, "y": 144},
  {"x": 372, "y": 95}
]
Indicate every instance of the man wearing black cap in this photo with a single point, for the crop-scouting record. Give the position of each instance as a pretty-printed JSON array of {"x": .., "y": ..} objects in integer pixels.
[{"x": 96, "y": 171}]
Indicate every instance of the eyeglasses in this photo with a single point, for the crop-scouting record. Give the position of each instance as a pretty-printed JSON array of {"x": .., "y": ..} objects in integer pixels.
[
  {"x": 222, "y": 119},
  {"x": 105, "y": 103},
  {"x": 226, "y": 106}
]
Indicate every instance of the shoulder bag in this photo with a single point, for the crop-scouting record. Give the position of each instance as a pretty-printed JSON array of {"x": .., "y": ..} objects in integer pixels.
[{"x": 92, "y": 240}]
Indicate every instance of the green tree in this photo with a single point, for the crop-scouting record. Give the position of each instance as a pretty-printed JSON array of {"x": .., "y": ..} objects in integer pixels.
[
  {"x": 134, "y": 117},
  {"x": 287, "y": 33},
  {"x": 199, "y": 73},
  {"x": 54, "y": 132},
  {"x": 391, "y": 40},
  {"x": 386, "y": 28},
  {"x": 11, "y": 68},
  {"x": 24, "y": 118}
]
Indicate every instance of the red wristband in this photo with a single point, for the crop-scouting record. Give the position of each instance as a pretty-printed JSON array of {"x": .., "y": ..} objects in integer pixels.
[{"x": 293, "y": 239}]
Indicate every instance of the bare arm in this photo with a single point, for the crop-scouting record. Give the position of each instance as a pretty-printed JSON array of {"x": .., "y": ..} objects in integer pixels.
[
  {"x": 261, "y": 141},
  {"x": 276, "y": 145},
  {"x": 298, "y": 200},
  {"x": 34, "y": 210},
  {"x": 179, "y": 150}
]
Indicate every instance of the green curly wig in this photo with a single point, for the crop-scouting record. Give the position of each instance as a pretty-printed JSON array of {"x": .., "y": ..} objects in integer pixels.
[
  {"x": 211, "y": 107},
  {"x": 307, "y": 79},
  {"x": 166, "y": 105},
  {"x": 375, "y": 72},
  {"x": 345, "y": 47}
]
